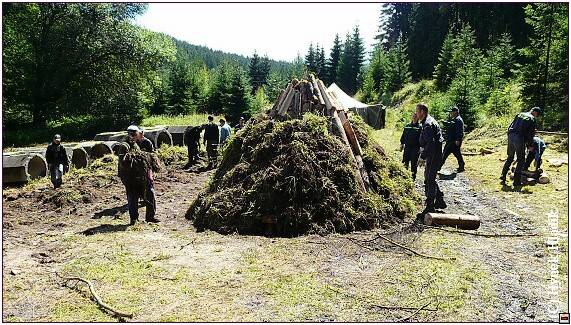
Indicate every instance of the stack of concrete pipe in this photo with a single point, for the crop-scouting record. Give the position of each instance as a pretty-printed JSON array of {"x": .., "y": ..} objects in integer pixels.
[
  {"x": 158, "y": 135},
  {"x": 25, "y": 164}
]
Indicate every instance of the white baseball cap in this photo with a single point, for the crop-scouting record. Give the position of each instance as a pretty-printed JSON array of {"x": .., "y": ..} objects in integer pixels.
[{"x": 133, "y": 128}]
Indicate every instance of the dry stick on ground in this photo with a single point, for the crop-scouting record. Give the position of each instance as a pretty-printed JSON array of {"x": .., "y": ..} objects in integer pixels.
[
  {"x": 403, "y": 308},
  {"x": 415, "y": 252},
  {"x": 480, "y": 234},
  {"x": 96, "y": 297},
  {"x": 416, "y": 312}
]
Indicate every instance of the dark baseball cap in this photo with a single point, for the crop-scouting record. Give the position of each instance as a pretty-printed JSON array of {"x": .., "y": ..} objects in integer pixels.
[
  {"x": 454, "y": 109},
  {"x": 537, "y": 109}
]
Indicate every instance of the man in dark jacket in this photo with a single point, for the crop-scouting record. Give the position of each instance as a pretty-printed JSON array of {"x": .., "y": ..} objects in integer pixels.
[
  {"x": 409, "y": 141},
  {"x": 431, "y": 142},
  {"x": 192, "y": 141},
  {"x": 58, "y": 161},
  {"x": 520, "y": 135},
  {"x": 211, "y": 140},
  {"x": 136, "y": 136},
  {"x": 454, "y": 136}
]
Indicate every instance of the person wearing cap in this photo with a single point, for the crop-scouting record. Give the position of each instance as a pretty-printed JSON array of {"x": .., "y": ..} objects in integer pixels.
[
  {"x": 431, "y": 142},
  {"x": 410, "y": 142},
  {"x": 225, "y": 131},
  {"x": 240, "y": 124},
  {"x": 454, "y": 136},
  {"x": 520, "y": 135},
  {"x": 192, "y": 141},
  {"x": 534, "y": 152},
  {"x": 136, "y": 136},
  {"x": 211, "y": 140},
  {"x": 58, "y": 161}
]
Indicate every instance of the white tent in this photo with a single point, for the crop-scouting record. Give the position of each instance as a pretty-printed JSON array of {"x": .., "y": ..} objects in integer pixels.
[{"x": 374, "y": 115}]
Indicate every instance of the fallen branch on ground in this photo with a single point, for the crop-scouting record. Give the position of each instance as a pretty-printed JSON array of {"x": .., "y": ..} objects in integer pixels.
[
  {"x": 480, "y": 234},
  {"x": 402, "y": 308},
  {"x": 96, "y": 298},
  {"x": 413, "y": 314},
  {"x": 413, "y": 251}
]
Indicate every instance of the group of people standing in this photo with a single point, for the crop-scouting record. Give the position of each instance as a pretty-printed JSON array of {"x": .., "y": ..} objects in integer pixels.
[
  {"x": 214, "y": 137},
  {"x": 423, "y": 138}
]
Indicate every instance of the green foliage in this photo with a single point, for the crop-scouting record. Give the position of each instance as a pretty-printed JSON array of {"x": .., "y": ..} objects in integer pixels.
[
  {"x": 170, "y": 155},
  {"x": 545, "y": 75},
  {"x": 258, "y": 71},
  {"x": 259, "y": 101},
  {"x": 443, "y": 72},
  {"x": 332, "y": 63},
  {"x": 351, "y": 62},
  {"x": 78, "y": 58},
  {"x": 231, "y": 92}
]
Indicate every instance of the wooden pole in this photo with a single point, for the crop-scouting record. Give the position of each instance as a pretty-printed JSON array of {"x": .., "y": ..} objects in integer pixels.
[{"x": 462, "y": 221}]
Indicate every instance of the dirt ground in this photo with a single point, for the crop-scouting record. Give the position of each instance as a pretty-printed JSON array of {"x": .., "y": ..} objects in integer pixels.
[{"x": 170, "y": 272}]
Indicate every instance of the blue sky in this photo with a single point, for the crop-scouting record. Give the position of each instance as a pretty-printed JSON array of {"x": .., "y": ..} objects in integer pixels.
[{"x": 279, "y": 30}]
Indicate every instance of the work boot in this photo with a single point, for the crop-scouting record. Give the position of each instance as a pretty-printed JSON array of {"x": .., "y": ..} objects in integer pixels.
[
  {"x": 502, "y": 180},
  {"x": 460, "y": 169},
  {"x": 439, "y": 203},
  {"x": 152, "y": 220},
  {"x": 132, "y": 222}
]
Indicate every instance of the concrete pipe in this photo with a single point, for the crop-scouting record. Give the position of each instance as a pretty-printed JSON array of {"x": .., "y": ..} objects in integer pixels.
[
  {"x": 120, "y": 136},
  {"x": 79, "y": 157},
  {"x": 21, "y": 167},
  {"x": 97, "y": 150},
  {"x": 158, "y": 136},
  {"x": 177, "y": 134},
  {"x": 120, "y": 148}
]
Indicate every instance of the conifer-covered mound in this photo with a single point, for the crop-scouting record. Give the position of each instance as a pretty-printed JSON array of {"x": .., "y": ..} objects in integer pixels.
[{"x": 295, "y": 177}]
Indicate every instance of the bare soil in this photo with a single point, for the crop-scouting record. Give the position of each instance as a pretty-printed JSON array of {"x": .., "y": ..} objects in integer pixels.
[{"x": 169, "y": 272}]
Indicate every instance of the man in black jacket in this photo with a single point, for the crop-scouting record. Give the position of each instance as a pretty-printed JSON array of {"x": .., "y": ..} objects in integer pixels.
[
  {"x": 454, "y": 136},
  {"x": 192, "y": 141},
  {"x": 211, "y": 140},
  {"x": 431, "y": 142},
  {"x": 409, "y": 141},
  {"x": 520, "y": 135},
  {"x": 58, "y": 161}
]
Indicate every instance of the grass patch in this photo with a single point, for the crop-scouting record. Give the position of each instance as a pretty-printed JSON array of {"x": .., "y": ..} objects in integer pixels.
[{"x": 192, "y": 119}]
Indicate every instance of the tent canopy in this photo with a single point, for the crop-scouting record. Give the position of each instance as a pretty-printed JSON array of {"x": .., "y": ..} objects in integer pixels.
[
  {"x": 345, "y": 100},
  {"x": 374, "y": 115}
]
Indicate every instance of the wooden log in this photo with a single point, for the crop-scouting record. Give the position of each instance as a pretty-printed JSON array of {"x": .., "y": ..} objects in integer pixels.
[
  {"x": 286, "y": 103},
  {"x": 318, "y": 91},
  {"x": 462, "y": 221},
  {"x": 281, "y": 99},
  {"x": 337, "y": 121},
  {"x": 552, "y": 133}
]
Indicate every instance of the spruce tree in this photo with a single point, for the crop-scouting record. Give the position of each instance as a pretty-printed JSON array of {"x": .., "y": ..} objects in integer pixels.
[
  {"x": 349, "y": 72},
  {"x": 443, "y": 72},
  {"x": 254, "y": 71},
  {"x": 333, "y": 62},
  {"x": 320, "y": 62},
  {"x": 398, "y": 70},
  {"x": 310, "y": 59}
]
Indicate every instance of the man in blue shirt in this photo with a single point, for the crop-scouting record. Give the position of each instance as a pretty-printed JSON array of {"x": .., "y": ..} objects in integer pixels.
[
  {"x": 225, "y": 131},
  {"x": 534, "y": 152}
]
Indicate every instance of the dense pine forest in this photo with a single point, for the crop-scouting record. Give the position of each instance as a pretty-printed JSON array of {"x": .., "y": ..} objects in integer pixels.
[
  {"x": 491, "y": 60},
  {"x": 88, "y": 67}
]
